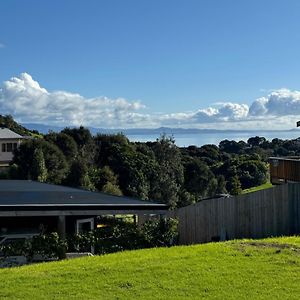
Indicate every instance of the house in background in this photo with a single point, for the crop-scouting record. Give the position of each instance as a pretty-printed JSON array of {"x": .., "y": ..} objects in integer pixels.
[
  {"x": 284, "y": 169},
  {"x": 9, "y": 141}
]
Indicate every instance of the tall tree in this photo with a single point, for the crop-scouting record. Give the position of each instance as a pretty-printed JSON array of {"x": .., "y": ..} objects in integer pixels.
[
  {"x": 168, "y": 178},
  {"x": 38, "y": 169}
]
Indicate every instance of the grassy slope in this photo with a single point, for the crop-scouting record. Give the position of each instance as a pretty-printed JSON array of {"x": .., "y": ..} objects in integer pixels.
[
  {"x": 258, "y": 188},
  {"x": 262, "y": 269}
]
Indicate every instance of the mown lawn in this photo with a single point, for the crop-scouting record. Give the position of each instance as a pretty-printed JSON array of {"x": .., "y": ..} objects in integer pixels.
[
  {"x": 244, "y": 269},
  {"x": 258, "y": 188}
]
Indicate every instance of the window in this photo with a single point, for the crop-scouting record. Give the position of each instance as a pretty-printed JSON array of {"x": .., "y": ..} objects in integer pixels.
[{"x": 9, "y": 147}]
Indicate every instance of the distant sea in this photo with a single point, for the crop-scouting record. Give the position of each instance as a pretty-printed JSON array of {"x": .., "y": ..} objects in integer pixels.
[
  {"x": 203, "y": 138},
  {"x": 183, "y": 137}
]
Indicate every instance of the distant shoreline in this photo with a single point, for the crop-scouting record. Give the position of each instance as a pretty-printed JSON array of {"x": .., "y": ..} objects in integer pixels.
[{"x": 42, "y": 128}]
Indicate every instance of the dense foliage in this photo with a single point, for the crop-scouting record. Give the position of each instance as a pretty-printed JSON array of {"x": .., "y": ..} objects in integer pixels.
[
  {"x": 154, "y": 170},
  {"x": 116, "y": 235}
]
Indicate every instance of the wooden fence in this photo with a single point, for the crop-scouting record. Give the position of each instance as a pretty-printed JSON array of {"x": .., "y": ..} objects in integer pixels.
[{"x": 270, "y": 212}]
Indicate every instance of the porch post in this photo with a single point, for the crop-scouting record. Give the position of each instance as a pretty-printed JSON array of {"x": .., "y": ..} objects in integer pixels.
[
  {"x": 61, "y": 230},
  {"x": 61, "y": 227}
]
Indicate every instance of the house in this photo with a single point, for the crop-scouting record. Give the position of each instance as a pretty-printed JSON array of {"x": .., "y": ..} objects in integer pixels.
[
  {"x": 284, "y": 169},
  {"x": 29, "y": 206},
  {"x": 9, "y": 141}
]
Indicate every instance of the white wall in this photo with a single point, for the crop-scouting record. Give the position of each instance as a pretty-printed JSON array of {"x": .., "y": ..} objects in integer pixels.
[{"x": 7, "y": 156}]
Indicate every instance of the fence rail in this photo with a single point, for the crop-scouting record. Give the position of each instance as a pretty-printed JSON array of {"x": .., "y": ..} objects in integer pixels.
[{"x": 270, "y": 212}]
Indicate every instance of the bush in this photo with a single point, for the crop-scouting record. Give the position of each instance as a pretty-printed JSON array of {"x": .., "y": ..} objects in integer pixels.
[
  {"x": 116, "y": 236},
  {"x": 45, "y": 245},
  {"x": 160, "y": 232}
]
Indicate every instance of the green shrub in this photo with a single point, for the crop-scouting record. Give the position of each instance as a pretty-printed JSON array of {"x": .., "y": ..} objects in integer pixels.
[
  {"x": 116, "y": 236},
  {"x": 46, "y": 245},
  {"x": 160, "y": 232}
]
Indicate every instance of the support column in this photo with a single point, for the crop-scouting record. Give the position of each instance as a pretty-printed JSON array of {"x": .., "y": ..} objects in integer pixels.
[{"x": 61, "y": 227}]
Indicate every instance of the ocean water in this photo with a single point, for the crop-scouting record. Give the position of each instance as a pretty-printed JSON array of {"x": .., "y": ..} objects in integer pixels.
[{"x": 200, "y": 139}]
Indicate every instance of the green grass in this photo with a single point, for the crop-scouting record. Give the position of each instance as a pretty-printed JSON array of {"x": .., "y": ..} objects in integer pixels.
[
  {"x": 243, "y": 269},
  {"x": 258, "y": 188}
]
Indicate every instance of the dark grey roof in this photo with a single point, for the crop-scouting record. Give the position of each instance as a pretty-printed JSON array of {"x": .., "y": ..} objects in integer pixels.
[
  {"x": 24, "y": 193},
  {"x": 6, "y": 133}
]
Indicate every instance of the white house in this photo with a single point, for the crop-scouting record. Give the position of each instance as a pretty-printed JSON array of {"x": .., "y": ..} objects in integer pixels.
[{"x": 9, "y": 141}]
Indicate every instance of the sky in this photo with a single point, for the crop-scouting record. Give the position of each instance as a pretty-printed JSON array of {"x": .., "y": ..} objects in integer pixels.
[{"x": 122, "y": 64}]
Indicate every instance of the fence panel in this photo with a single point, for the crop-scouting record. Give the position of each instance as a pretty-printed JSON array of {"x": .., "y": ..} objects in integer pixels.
[{"x": 270, "y": 212}]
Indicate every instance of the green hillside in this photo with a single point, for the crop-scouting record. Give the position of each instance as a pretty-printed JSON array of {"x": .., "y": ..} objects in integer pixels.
[
  {"x": 245, "y": 269},
  {"x": 7, "y": 121},
  {"x": 258, "y": 188}
]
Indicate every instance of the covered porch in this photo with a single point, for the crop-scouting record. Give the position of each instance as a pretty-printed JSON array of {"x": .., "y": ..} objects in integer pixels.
[{"x": 28, "y": 206}]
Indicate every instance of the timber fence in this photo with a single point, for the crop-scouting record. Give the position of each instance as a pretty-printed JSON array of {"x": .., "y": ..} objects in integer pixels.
[{"x": 265, "y": 213}]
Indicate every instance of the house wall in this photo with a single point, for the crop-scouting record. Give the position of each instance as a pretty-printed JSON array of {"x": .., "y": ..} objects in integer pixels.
[
  {"x": 7, "y": 156},
  {"x": 284, "y": 170},
  {"x": 270, "y": 212}
]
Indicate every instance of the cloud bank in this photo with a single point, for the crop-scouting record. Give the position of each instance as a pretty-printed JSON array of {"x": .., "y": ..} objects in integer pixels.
[{"x": 28, "y": 102}]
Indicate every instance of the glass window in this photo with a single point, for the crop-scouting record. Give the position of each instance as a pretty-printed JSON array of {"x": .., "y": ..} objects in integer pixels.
[
  {"x": 3, "y": 147},
  {"x": 15, "y": 146},
  {"x": 9, "y": 147}
]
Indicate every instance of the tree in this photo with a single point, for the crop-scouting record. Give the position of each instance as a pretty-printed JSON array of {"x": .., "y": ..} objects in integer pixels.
[
  {"x": 256, "y": 141},
  {"x": 165, "y": 189},
  {"x": 55, "y": 161},
  {"x": 112, "y": 189},
  {"x": 85, "y": 143},
  {"x": 212, "y": 187},
  {"x": 168, "y": 177},
  {"x": 234, "y": 186},
  {"x": 232, "y": 146},
  {"x": 221, "y": 188},
  {"x": 106, "y": 181},
  {"x": 38, "y": 169},
  {"x": 197, "y": 177},
  {"x": 65, "y": 143},
  {"x": 252, "y": 173},
  {"x": 79, "y": 176}
]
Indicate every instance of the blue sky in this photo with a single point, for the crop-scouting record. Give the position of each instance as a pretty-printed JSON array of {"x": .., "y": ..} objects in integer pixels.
[{"x": 168, "y": 61}]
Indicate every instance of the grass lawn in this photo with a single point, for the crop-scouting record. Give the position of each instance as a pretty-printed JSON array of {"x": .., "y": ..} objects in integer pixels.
[
  {"x": 242, "y": 269},
  {"x": 258, "y": 188}
]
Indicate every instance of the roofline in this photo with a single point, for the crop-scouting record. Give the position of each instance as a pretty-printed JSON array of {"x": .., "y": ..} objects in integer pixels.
[
  {"x": 99, "y": 207},
  {"x": 81, "y": 204},
  {"x": 284, "y": 158},
  {"x": 13, "y": 138}
]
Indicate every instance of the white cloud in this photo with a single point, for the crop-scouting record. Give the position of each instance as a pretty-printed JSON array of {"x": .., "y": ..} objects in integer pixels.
[
  {"x": 27, "y": 101},
  {"x": 2, "y": 45},
  {"x": 281, "y": 102}
]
